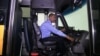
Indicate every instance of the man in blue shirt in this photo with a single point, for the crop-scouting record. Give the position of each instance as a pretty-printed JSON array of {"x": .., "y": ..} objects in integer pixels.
[{"x": 47, "y": 28}]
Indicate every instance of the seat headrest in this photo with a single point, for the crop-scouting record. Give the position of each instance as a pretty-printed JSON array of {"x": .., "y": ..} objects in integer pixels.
[{"x": 34, "y": 18}]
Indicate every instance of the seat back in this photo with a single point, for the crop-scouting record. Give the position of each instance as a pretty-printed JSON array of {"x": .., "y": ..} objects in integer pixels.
[
  {"x": 38, "y": 32},
  {"x": 37, "y": 29}
]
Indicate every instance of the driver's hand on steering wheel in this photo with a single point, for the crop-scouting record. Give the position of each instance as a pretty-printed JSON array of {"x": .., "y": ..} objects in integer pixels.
[{"x": 70, "y": 38}]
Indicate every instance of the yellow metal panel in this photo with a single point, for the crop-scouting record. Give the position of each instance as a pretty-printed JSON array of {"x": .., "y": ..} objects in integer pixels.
[{"x": 1, "y": 38}]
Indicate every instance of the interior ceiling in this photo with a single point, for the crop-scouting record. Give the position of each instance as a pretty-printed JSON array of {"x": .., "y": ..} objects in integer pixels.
[{"x": 60, "y": 4}]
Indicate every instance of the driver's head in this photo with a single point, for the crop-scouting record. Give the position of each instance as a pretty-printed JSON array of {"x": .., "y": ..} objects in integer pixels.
[{"x": 52, "y": 17}]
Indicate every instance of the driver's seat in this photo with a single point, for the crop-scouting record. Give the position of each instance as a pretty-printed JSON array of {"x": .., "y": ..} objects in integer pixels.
[{"x": 44, "y": 45}]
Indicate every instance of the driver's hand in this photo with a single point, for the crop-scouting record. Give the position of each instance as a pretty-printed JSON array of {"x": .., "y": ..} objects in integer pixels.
[
  {"x": 63, "y": 29},
  {"x": 70, "y": 38}
]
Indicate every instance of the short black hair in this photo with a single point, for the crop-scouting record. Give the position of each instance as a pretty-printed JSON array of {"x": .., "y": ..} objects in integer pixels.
[{"x": 51, "y": 14}]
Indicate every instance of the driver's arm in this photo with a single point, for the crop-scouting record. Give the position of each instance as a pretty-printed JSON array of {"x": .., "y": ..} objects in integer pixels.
[{"x": 58, "y": 32}]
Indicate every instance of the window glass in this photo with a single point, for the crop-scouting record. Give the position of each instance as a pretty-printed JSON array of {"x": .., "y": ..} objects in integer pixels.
[{"x": 60, "y": 24}]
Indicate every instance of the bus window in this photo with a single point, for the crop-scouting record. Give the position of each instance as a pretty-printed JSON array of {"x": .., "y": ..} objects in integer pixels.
[{"x": 60, "y": 24}]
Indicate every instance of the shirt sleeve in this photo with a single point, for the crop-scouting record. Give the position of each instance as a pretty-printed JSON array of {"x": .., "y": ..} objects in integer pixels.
[{"x": 55, "y": 31}]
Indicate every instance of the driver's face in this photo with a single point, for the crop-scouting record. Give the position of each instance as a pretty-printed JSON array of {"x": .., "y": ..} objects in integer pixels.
[{"x": 53, "y": 18}]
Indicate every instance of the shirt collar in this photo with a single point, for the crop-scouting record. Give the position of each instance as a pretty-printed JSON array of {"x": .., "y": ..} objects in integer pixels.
[{"x": 48, "y": 21}]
